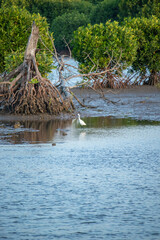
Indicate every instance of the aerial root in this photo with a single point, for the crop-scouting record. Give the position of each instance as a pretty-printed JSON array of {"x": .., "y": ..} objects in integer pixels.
[
  {"x": 30, "y": 98},
  {"x": 25, "y": 91}
]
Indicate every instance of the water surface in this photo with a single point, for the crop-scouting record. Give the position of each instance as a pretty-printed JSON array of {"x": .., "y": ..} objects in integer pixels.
[{"x": 61, "y": 181}]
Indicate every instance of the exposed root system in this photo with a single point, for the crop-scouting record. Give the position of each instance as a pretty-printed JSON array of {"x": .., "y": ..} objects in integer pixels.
[
  {"x": 30, "y": 98},
  {"x": 29, "y": 92}
]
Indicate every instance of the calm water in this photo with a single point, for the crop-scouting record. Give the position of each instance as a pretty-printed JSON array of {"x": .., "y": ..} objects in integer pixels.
[{"x": 97, "y": 182}]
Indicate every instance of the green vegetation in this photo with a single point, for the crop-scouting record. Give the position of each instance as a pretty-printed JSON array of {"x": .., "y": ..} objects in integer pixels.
[
  {"x": 138, "y": 8},
  {"x": 15, "y": 28},
  {"x": 34, "y": 81},
  {"x": 101, "y": 42},
  {"x": 147, "y": 32},
  {"x": 130, "y": 26},
  {"x": 104, "y": 11},
  {"x": 64, "y": 27},
  {"x": 51, "y": 8}
]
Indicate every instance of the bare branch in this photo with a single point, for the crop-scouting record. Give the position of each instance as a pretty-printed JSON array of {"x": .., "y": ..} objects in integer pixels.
[
  {"x": 67, "y": 45},
  {"x": 96, "y": 75},
  {"x": 83, "y": 105}
]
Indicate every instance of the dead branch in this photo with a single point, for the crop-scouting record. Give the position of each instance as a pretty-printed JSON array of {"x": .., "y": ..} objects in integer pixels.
[
  {"x": 103, "y": 96},
  {"x": 83, "y": 105},
  {"x": 101, "y": 78}
]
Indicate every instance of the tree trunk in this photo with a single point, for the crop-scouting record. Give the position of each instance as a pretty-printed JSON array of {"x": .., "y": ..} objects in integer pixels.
[
  {"x": 153, "y": 79},
  {"x": 29, "y": 92}
]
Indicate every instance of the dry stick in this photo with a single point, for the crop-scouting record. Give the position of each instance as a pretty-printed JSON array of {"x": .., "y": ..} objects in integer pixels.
[
  {"x": 90, "y": 74},
  {"x": 83, "y": 105},
  {"x": 101, "y": 93},
  {"x": 79, "y": 75},
  {"x": 79, "y": 85},
  {"x": 60, "y": 62},
  {"x": 83, "y": 75},
  {"x": 54, "y": 54},
  {"x": 103, "y": 96},
  {"x": 67, "y": 45},
  {"x": 94, "y": 65}
]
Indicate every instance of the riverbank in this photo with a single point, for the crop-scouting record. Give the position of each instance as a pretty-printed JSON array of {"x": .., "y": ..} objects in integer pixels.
[{"x": 141, "y": 102}]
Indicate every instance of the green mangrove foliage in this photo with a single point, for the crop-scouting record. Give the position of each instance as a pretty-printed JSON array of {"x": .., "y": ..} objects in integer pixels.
[
  {"x": 64, "y": 27},
  {"x": 101, "y": 46},
  {"x": 147, "y": 32},
  {"x": 138, "y": 8},
  {"x": 19, "y": 3},
  {"x": 55, "y": 8},
  {"x": 134, "y": 40},
  {"x": 105, "y": 10},
  {"x": 15, "y": 28}
]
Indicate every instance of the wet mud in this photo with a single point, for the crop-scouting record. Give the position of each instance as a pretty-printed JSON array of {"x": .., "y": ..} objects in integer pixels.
[{"x": 142, "y": 103}]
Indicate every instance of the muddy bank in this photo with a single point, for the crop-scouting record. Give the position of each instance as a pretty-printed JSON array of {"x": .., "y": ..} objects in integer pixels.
[{"x": 142, "y": 102}]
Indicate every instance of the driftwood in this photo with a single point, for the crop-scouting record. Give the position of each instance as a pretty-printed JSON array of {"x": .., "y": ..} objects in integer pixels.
[{"x": 29, "y": 92}]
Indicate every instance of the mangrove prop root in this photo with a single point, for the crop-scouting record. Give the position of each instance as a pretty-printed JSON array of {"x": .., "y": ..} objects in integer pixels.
[
  {"x": 36, "y": 98},
  {"x": 29, "y": 92}
]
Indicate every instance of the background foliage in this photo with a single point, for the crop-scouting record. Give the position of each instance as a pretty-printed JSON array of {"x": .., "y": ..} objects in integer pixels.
[
  {"x": 104, "y": 11},
  {"x": 138, "y": 25},
  {"x": 53, "y": 8},
  {"x": 138, "y": 8},
  {"x": 101, "y": 43},
  {"x": 15, "y": 28},
  {"x": 64, "y": 27},
  {"x": 147, "y": 32}
]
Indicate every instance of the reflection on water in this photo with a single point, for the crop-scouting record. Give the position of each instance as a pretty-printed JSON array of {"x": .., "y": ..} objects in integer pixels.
[
  {"x": 110, "y": 122},
  {"x": 31, "y": 131},
  {"x": 101, "y": 181},
  {"x": 46, "y": 131}
]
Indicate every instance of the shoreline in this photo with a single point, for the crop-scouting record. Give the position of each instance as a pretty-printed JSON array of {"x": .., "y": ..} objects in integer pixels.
[{"x": 139, "y": 102}]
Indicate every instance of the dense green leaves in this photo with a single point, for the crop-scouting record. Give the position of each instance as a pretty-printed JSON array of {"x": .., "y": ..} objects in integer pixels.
[
  {"x": 55, "y": 8},
  {"x": 97, "y": 44},
  {"x": 15, "y": 28},
  {"x": 147, "y": 32},
  {"x": 136, "y": 40},
  {"x": 19, "y": 3},
  {"x": 64, "y": 26},
  {"x": 105, "y": 10},
  {"x": 139, "y": 8}
]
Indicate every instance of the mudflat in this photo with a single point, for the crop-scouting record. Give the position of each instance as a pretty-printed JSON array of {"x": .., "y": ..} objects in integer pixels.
[{"x": 140, "y": 102}]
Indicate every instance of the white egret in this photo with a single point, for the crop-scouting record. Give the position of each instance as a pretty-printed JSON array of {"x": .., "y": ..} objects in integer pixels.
[{"x": 80, "y": 121}]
